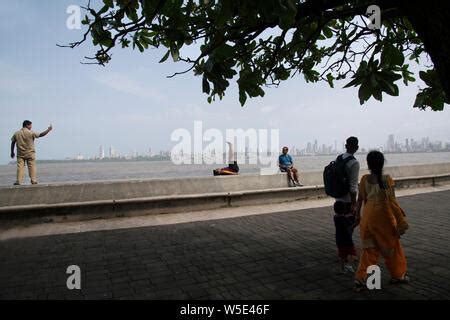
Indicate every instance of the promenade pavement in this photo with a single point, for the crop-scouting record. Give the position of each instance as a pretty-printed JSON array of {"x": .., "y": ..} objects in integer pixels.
[{"x": 281, "y": 255}]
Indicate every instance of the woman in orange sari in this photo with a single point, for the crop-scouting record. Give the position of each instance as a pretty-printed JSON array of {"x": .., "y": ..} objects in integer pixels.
[{"x": 381, "y": 224}]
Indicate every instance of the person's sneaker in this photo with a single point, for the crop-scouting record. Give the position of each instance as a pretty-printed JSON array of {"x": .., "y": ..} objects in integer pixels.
[
  {"x": 16, "y": 184},
  {"x": 34, "y": 182},
  {"x": 298, "y": 184}
]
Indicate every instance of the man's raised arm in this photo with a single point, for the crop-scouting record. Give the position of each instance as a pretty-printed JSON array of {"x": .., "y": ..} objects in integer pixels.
[{"x": 43, "y": 134}]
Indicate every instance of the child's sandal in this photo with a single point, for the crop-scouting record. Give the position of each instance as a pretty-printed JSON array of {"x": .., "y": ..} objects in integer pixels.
[
  {"x": 403, "y": 280},
  {"x": 359, "y": 286}
]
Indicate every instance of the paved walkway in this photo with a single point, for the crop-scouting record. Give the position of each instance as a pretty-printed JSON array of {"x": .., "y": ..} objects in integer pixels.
[{"x": 285, "y": 255}]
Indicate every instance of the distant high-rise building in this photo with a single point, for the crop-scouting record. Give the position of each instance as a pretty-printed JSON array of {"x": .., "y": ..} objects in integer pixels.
[
  {"x": 112, "y": 152},
  {"x": 425, "y": 143},
  {"x": 101, "y": 152},
  {"x": 390, "y": 147}
]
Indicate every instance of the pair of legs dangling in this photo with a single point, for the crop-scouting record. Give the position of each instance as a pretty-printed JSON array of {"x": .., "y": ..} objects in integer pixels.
[{"x": 292, "y": 173}]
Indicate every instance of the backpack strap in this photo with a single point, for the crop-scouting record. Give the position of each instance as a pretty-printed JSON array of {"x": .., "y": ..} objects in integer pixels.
[
  {"x": 340, "y": 158},
  {"x": 348, "y": 158}
]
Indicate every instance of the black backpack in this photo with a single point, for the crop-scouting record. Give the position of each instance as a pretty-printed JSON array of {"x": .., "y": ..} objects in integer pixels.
[{"x": 335, "y": 177}]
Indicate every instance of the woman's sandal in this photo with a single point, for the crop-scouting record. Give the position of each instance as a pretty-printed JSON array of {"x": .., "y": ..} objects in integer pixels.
[
  {"x": 403, "y": 280},
  {"x": 359, "y": 286}
]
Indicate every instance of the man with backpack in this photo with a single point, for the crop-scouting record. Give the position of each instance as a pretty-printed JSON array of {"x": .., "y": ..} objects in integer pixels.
[{"x": 341, "y": 182}]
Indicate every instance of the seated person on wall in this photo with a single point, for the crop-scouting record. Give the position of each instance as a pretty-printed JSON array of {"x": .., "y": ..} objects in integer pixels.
[
  {"x": 232, "y": 169},
  {"x": 286, "y": 164}
]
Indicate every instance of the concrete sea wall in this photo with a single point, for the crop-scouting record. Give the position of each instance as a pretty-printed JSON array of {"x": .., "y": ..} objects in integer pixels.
[{"x": 90, "y": 200}]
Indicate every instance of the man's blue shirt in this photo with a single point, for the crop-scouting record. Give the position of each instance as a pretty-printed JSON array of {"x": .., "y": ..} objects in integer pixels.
[{"x": 285, "y": 160}]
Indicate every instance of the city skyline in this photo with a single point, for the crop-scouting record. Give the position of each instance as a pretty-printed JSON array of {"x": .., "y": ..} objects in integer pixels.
[{"x": 391, "y": 145}]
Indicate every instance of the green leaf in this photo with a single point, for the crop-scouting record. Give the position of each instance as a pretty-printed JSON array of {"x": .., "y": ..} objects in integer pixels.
[
  {"x": 125, "y": 43},
  {"x": 109, "y": 3},
  {"x": 437, "y": 101},
  {"x": 131, "y": 14},
  {"x": 392, "y": 56},
  {"x": 140, "y": 47},
  {"x": 281, "y": 73},
  {"x": 103, "y": 10},
  {"x": 327, "y": 32},
  {"x": 224, "y": 51},
  {"x": 389, "y": 88},
  {"x": 261, "y": 92},
  {"x": 429, "y": 77},
  {"x": 164, "y": 58},
  {"x": 377, "y": 94},
  {"x": 242, "y": 97},
  {"x": 330, "y": 79},
  {"x": 286, "y": 15},
  {"x": 420, "y": 101},
  {"x": 148, "y": 8},
  {"x": 430, "y": 97},
  {"x": 205, "y": 85},
  {"x": 175, "y": 54},
  {"x": 86, "y": 20},
  {"x": 356, "y": 81},
  {"x": 364, "y": 92},
  {"x": 225, "y": 12}
]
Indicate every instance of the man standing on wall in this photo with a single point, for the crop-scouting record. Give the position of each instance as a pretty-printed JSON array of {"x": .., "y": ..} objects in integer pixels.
[{"x": 26, "y": 152}]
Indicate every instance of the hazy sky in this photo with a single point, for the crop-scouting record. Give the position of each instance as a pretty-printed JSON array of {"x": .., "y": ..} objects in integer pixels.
[{"x": 131, "y": 105}]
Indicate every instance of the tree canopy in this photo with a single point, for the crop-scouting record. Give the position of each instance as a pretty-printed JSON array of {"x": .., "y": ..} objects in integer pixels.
[{"x": 261, "y": 43}]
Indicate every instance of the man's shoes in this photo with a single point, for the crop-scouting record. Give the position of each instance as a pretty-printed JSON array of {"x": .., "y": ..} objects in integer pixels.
[
  {"x": 16, "y": 184},
  {"x": 298, "y": 184},
  {"x": 34, "y": 182}
]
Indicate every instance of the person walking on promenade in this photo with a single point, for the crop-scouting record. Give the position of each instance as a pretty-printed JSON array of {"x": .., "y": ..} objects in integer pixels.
[
  {"x": 26, "y": 153},
  {"x": 345, "y": 206},
  {"x": 286, "y": 164},
  {"x": 381, "y": 224}
]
